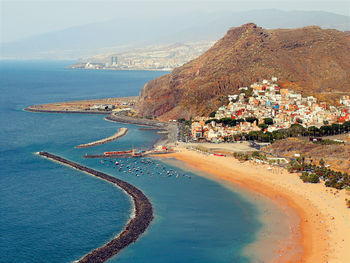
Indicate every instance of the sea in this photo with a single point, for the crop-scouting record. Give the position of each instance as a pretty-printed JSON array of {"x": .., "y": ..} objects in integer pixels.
[{"x": 52, "y": 213}]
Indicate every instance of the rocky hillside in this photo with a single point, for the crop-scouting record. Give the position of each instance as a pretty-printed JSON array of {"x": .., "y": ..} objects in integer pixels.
[{"x": 309, "y": 59}]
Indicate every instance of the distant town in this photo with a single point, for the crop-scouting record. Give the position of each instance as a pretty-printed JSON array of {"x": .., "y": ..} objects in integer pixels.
[
  {"x": 268, "y": 108},
  {"x": 163, "y": 58}
]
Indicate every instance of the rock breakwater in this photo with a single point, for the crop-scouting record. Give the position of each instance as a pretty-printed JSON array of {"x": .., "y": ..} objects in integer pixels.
[
  {"x": 121, "y": 132},
  {"x": 134, "y": 228}
]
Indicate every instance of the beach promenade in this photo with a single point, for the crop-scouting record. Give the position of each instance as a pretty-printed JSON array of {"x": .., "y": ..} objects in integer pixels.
[
  {"x": 322, "y": 232},
  {"x": 121, "y": 132},
  {"x": 134, "y": 228}
]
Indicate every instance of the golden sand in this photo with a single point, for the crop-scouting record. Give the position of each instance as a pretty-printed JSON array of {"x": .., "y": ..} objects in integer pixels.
[{"x": 323, "y": 230}]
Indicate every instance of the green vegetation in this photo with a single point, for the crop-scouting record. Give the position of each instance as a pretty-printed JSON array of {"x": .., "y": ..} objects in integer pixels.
[
  {"x": 225, "y": 121},
  {"x": 186, "y": 122},
  {"x": 297, "y": 130},
  {"x": 324, "y": 130},
  {"x": 259, "y": 155},
  {"x": 309, "y": 178},
  {"x": 327, "y": 142},
  {"x": 241, "y": 156},
  {"x": 263, "y": 126},
  {"x": 313, "y": 173},
  {"x": 300, "y": 121},
  {"x": 212, "y": 115},
  {"x": 251, "y": 119},
  {"x": 268, "y": 121}
]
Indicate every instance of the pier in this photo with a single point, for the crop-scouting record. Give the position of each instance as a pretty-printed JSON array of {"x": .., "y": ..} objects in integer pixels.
[
  {"x": 121, "y": 132},
  {"x": 134, "y": 228}
]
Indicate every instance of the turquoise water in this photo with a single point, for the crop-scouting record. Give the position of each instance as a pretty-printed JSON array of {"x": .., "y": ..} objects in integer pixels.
[{"x": 51, "y": 213}]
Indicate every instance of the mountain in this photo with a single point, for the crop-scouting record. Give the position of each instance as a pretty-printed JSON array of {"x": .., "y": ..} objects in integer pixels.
[
  {"x": 309, "y": 59},
  {"x": 137, "y": 31}
]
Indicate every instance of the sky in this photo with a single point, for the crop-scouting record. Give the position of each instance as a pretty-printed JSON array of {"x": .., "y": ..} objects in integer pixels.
[{"x": 21, "y": 19}]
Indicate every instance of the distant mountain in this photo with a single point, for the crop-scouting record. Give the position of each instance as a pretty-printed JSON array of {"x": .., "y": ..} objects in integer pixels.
[
  {"x": 124, "y": 34},
  {"x": 309, "y": 59}
]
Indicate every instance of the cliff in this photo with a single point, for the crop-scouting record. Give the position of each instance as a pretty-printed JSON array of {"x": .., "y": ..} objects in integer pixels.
[{"x": 310, "y": 59}]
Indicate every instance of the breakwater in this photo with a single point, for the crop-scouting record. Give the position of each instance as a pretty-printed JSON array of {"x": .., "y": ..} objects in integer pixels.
[
  {"x": 170, "y": 129},
  {"x": 121, "y": 132},
  {"x": 134, "y": 228}
]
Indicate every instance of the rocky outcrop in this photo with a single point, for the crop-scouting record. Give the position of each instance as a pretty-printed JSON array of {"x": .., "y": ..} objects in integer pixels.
[{"x": 310, "y": 59}]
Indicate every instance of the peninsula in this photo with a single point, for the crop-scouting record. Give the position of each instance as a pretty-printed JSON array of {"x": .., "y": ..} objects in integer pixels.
[{"x": 93, "y": 106}]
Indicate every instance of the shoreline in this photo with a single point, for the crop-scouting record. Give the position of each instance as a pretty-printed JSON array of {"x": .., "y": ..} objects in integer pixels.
[
  {"x": 322, "y": 233},
  {"x": 121, "y": 132},
  {"x": 136, "y": 226}
]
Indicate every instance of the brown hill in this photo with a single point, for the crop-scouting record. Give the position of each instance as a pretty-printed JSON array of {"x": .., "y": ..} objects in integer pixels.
[{"x": 309, "y": 59}]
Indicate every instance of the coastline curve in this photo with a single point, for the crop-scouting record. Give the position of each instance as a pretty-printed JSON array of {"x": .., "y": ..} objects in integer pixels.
[{"x": 134, "y": 228}]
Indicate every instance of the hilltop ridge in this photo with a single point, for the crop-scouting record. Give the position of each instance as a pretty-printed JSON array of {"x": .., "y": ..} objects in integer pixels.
[{"x": 308, "y": 59}]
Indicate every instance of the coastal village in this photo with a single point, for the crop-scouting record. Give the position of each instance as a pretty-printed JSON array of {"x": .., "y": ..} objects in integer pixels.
[{"x": 267, "y": 107}]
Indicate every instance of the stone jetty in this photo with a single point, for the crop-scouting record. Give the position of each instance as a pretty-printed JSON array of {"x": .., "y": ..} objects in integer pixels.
[
  {"x": 121, "y": 132},
  {"x": 134, "y": 228}
]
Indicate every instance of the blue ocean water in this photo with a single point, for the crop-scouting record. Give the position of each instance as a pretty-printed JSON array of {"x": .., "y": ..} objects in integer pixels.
[{"x": 51, "y": 213}]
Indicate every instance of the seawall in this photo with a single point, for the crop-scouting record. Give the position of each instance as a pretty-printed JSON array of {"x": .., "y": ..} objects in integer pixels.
[{"x": 134, "y": 228}]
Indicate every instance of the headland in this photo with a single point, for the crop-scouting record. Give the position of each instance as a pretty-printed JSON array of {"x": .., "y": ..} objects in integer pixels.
[{"x": 134, "y": 228}]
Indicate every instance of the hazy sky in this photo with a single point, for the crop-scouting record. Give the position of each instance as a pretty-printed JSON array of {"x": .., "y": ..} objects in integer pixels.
[{"x": 20, "y": 19}]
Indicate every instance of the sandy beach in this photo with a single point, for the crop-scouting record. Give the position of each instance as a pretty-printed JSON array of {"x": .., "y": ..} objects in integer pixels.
[{"x": 322, "y": 231}]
